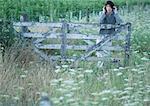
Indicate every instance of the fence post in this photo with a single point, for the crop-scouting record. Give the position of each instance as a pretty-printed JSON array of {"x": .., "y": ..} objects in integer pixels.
[
  {"x": 24, "y": 18},
  {"x": 70, "y": 16},
  {"x": 127, "y": 46},
  {"x": 63, "y": 39},
  {"x": 88, "y": 15},
  {"x": 80, "y": 15}
]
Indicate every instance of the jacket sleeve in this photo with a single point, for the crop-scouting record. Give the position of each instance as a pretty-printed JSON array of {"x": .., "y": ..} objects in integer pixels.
[
  {"x": 118, "y": 19},
  {"x": 102, "y": 18}
]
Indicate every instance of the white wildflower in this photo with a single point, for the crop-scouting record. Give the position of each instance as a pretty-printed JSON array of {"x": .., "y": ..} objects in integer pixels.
[
  {"x": 145, "y": 59},
  {"x": 54, "y": 81},
  {"x": 146, "y": 100},
  {"x": 16, "y": 98},
  {"x": 23, "y": 76},
  {"x": 58, "y": 67},
  {"x": 105, "y": 92},
  {"x": 6, "y": 96},
  {"x": 140, "y": 72},
  {"x": 129, "y": 88},
  {"x": 65, "y": 66},
  {"x": 26, "y": 72},
  {"x": 103, "y": 99},
  {"x": 135, "y": 70},
  {"x": 72, "y": 73},
  {"x": 124, "y": 97},
  {"x": 70, "y": 82},
  {"x": 20, "y": 88},
  {"x": 70, "y": 100},
  {"x": 121, "y": 68},
  {"x": 58, "y": 71},
  {"x": 69, "y": 95},
  {"x": 95, "y": 94},
  {"x": 95, "y": 103},
  {"x": 115, "y": 69},
  {"x": 61, "y": 98},
  {"x": 88, "y": 71},
  {"x": 81, "y": 82},
  {"x": 119, "y": 74},
  {"x": 72, "y": 70},
  {"x": 75, "y": 88},
  {"x": 80, "y": 76}
]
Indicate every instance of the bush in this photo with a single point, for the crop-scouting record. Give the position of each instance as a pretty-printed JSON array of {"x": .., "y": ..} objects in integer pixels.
[{"x": 7, "y": 36}]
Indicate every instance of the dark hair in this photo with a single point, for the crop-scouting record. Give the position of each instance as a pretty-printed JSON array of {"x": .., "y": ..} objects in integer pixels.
[{"x": 110, "y": 3}]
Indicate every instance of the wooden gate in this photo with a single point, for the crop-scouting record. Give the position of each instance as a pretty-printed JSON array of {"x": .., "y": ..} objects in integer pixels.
[{"x": 76, "y": 41}]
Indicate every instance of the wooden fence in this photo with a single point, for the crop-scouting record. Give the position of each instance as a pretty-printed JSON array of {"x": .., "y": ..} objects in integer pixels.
[{"x": 85, "y": 32}]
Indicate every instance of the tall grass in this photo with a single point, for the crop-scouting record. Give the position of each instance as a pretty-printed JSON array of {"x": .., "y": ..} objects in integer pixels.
[
  {"x": 69, "y": 86},
  {"x": 84, "y": 84},
  {"x": 20, "y": 82}
]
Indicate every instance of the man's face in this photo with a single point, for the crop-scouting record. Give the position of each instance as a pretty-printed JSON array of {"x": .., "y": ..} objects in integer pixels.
[{"x": 108, "y": 8}]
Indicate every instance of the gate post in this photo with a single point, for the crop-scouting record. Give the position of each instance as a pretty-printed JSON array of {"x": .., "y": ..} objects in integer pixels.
[
  {"x": 127, "y": 45},
  {"x": 24, "y": 29},
  {"x": 24, "y": 18},
  {"x": 63, "y": 39}
]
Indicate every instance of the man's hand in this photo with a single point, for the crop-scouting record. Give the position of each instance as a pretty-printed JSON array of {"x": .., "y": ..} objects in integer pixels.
[
  {"x": 104, "y": 9},
  {"x": 115, "y": 10}
]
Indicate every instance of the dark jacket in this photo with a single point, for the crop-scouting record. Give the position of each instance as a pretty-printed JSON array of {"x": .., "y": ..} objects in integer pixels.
[{"x": 109, "y": 19}]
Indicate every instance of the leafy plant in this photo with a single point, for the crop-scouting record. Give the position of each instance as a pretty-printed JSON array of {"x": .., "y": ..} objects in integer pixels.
[{"x": 7, "y": 36}]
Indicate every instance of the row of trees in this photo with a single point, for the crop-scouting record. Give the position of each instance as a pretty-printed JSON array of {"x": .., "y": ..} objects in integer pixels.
[{"x": 11, "y": 9}]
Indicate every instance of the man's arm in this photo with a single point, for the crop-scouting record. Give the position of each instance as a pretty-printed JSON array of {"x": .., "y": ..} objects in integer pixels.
[
  {"x": 102, "y": 18},
  {"x": 118, "y": 19}
]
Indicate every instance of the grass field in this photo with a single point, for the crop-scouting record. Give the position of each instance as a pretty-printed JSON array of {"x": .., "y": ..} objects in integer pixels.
[{"x": 22, "y": 80}]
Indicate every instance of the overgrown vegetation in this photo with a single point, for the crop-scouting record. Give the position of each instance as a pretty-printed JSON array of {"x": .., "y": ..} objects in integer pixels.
[
  {"x": 83, "y": 84},
  {"x": 55, "y": 9},
  {"x": 7, "y": 35}
]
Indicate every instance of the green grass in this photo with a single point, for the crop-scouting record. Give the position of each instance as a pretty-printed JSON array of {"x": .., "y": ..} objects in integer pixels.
[
  {"x": 55, "y": 9},
  {"x": 68, "y": 86},
  {"x": 82, "y": 84}
]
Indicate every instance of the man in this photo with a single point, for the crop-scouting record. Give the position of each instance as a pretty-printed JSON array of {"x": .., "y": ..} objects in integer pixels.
[{"x": 109, "y": 16}]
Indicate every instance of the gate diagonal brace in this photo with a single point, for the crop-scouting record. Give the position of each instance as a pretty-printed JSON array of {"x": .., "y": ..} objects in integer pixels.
[{"x": 97, "y": 46}]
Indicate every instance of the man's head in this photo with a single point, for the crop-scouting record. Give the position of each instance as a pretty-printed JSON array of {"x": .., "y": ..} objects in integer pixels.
[{"x": 109, "y": 6}]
